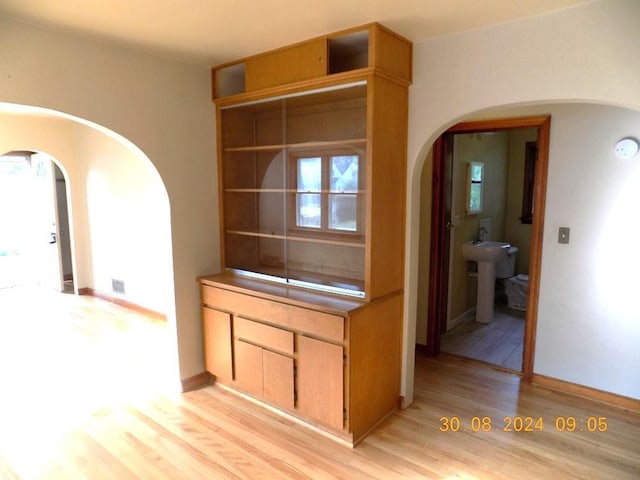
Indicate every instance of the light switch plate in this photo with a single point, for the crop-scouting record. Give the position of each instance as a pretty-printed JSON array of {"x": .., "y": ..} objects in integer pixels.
[{"x": 563, "y": 235}]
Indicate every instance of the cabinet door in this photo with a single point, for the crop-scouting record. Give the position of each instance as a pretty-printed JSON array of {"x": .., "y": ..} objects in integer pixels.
[
  {"x": 278, "y": 378},
  {"x": 248, "y": 363},
  {"x": 321, "y": 381},
  {"x": 217, "y": 343}
]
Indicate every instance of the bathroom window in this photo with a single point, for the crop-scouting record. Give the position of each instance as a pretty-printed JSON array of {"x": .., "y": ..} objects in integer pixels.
[
  {"x": 530, "y": 156},
  {"x": 475, "y": 175}
]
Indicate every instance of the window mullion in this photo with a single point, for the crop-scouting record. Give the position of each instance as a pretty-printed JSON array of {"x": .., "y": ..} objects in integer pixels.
[{"x": 324, "y": 196}]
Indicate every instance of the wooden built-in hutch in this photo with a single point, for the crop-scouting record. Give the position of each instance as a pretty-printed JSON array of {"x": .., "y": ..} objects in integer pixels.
[{"x": 307, "y": 314}]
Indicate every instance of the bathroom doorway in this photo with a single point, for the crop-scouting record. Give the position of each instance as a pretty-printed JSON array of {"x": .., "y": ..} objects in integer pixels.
[{"x": 481, "y": 207}]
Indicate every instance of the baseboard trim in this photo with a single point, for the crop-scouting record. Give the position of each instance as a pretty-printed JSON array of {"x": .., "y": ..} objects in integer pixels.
[
  {"x": 196, "y": 382},
  {"x": 627, "y": 403},
  {"x": 122, "y": 303}
]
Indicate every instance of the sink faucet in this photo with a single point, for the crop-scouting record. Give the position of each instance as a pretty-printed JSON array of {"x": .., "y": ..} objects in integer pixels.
[{"x": 478, "y": 237}]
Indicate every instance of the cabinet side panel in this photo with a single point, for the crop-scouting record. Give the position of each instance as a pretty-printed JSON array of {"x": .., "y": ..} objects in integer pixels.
[
  {"x": 374, "y": 363},
  {"x": 387, "y": 187},
  {"x": 299, "y": 62},
  {"x": 393, "y": 54},
  {"x": 320, "y": 381},
  {"x": 217, "y": 343}
]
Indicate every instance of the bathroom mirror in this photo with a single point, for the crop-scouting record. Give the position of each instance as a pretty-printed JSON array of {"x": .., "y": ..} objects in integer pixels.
[{"x": 475, "y": 175}]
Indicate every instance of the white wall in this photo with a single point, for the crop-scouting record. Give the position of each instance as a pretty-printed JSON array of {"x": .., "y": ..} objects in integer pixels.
[
  {"x": 120, "y": 223},
  {"x": 588, "y": 315},
  {"x": 581, "y": 54},
  {"x": 127, "y": 228},
  {"x": 54, "y": 136},
  {"x": 160, "y": 105}
]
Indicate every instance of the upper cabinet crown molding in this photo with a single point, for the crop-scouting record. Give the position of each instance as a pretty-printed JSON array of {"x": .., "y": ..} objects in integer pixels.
[{"x": 334, "y": 57}]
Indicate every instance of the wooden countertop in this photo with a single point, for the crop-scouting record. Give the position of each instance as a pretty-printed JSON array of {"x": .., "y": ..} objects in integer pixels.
[{"x": 292, "y": 295}]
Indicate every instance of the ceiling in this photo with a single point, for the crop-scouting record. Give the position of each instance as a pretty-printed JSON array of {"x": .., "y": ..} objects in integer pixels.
[{"x": 210, "y": 32}]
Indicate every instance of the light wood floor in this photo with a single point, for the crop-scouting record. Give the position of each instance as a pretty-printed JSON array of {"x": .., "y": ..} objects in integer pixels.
[
  {"x": 83, "y": 396},
  {"x": 499, "y": 342}
]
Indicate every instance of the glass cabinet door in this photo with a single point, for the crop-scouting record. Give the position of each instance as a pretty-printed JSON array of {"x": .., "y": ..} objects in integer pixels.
[{"x": 294, "y": 172}]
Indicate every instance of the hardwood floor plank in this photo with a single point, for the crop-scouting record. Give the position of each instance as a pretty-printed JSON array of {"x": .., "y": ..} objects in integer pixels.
[
  {"x": 6, "y": 470},
  {"x": 207, "y": 440},
  {"x": 104, "y": 418},
  {"x": 118, "y": 436},
  {"x": 185, "y": 457},
  {"x": 274, "y": 438}
]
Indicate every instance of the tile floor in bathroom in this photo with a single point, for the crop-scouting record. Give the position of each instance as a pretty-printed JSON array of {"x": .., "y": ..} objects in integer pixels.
[{"x": 499, "y": 342}]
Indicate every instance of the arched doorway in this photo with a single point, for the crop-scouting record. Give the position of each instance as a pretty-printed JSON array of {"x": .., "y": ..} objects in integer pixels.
[
  {"x": 35, "y": 245},
  {"x": 584, "y": 183},
  {"x": 443, "y": 223},
  {"x": 120, "y": 222}
]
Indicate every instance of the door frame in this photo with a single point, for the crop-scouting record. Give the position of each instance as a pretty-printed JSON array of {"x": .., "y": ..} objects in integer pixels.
[{"x": 441, "y": 201}]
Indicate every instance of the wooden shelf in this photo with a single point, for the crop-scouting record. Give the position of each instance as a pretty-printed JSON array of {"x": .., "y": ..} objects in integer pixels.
[
  {"x": 299, "y": 146},
  {"x": 314, "y": 237},
  {"x": 289, "y": 190}
]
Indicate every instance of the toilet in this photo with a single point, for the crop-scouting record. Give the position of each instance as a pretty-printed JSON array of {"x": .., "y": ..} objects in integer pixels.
[{"x": 516, "y": 286}]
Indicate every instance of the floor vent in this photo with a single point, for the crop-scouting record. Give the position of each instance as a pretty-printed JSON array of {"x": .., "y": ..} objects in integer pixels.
[{"x": 117, "y": 286}]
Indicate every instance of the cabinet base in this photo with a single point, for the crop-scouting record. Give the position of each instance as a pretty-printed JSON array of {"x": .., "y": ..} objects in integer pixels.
[{"x": 342, "y": 439}]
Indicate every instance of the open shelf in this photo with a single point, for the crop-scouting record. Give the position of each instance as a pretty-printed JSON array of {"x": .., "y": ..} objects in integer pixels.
[
  {"x": 229, "y": 80},
  {"x": 355, "y": 241},
  {"x": 356, "y": 142},
  {"x": 349, "y": 52}
]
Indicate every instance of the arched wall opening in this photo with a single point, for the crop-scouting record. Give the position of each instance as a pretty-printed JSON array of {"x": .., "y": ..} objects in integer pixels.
[
  {"x": 120, "y": 223},
  {"x": 581, "y": 316},
  {"x": 35, "y": 244}
]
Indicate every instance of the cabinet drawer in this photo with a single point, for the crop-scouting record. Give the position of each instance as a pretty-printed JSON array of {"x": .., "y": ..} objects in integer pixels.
[
  {"x": 320, "y": 324},
  {"x": 264, "y": 335}
]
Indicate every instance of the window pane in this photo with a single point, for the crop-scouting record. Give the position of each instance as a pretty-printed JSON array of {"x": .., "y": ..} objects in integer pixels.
[
  {"x": 344, "y": 173},
  {"x": 475, "y": 197},
  {"x": 343, "y": 212},
  {"x": 308, "y": 210},
  {"x": 309, "y": 174},
  {"x": 476, "y": 172}
]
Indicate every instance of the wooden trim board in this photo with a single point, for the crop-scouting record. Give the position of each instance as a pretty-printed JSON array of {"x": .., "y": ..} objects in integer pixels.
[
  {"x": 439, "y": 231},
  {"x": 122, "y": 303},
  {"x": 200, "y": 380},
  {"x": 627, "y": 403}
]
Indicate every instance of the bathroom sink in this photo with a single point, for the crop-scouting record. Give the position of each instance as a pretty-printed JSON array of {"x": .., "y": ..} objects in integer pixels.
[
  {"x": 487, "y": 255},
  {"x": 484, "y": 251}
]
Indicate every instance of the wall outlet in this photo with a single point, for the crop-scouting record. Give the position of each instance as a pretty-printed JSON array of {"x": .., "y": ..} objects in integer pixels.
[{"x": 563, "y": 235}]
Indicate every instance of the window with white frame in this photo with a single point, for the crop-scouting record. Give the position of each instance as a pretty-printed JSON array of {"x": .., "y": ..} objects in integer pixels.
[{"x": 326, "y": 192}]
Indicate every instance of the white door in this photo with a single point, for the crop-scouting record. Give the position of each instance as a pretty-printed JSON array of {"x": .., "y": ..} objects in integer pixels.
[{"x": 45, "y": 224}]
